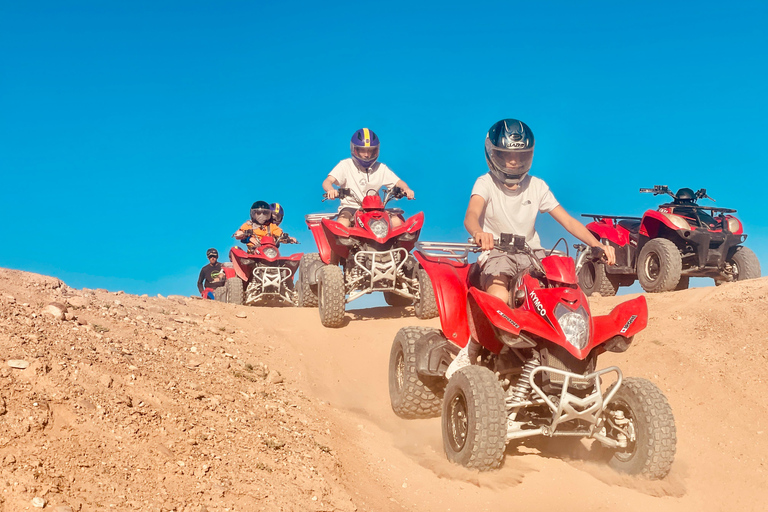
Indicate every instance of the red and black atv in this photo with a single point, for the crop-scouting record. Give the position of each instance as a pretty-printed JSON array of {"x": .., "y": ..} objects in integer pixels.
[
  {"x": 665, "y": 247},
  {"x": 373, "y": 255},
  {"x": 533, "y": 368},
  {"x": 263, "y": 277}
]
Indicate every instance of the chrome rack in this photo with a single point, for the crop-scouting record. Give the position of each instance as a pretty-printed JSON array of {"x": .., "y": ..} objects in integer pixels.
[
  {"x": 317, "y": 217},
  {"x": 451, "y": 250}
]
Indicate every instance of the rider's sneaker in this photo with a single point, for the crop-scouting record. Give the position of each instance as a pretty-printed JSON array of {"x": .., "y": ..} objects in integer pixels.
[{"x": 459, "y": 362}]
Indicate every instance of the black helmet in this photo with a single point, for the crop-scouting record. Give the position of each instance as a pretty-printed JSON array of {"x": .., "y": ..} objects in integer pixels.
[
  {"x": 509, "y": 151},
  {"x": 212, "y": 252},
  {"x": 685, "y": 196},
  {"x": 261, "y": 212}
]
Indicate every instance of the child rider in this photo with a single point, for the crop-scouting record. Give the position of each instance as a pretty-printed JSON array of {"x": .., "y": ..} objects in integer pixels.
[
  {"x": 362, "y": 173},
  {"x": 260, "y": 225}
]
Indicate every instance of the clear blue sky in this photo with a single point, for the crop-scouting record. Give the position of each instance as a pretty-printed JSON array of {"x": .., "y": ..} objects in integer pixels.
[{"x": 135, "y": 135}]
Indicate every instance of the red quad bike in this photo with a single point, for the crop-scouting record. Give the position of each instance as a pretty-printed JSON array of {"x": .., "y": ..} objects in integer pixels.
[
  {"x": 264, "y": 277},
  {"x": 665, "y": 247},
  {"x": 374, "y": 256},
  {"x": 534, "y": 366}
]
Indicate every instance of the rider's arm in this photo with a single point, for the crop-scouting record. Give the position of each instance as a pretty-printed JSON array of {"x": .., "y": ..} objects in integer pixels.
[
  {"x": 472, "y": 223},
  {"x": 406, "y": 189},
  {"x": 580, "y": 231},
  {"x": 200, "y": 280},
  {"x": 328, "y": 184}
]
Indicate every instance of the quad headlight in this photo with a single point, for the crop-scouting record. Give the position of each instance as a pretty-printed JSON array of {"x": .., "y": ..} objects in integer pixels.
[
  {"x": 270, "y": 252},
  {"x": 379, "y": 228},
  {"x": 733, "y": 224},
  {"x": 575, "y": 325}
]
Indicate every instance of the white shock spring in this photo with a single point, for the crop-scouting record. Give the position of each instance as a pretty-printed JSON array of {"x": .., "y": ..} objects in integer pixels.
[{"x": 523, "y": 386}]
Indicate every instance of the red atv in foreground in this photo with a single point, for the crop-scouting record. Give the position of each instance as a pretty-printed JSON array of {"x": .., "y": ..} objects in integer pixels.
[
  {"x": 665, "y": 247},
  {"x": 534, "y": 366},
  {"x": 262, "y": 277},
  {"x": 373, "y": 255}
]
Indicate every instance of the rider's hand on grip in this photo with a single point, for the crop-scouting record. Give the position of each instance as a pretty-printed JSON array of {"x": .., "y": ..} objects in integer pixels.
[
  {"x": 484, "y": 240},
  {"x": 331, "y": 194}
]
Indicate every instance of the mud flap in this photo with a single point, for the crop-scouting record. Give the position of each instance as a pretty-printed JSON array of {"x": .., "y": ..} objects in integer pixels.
[{"x": 433, "y": 355}]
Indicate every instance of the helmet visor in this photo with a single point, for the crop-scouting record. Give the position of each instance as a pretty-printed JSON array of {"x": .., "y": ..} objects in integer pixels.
[
  {"x": 260, "y": 215},
  {"x": 366, "y": 153},
  {"x": 513, "y": 163}
]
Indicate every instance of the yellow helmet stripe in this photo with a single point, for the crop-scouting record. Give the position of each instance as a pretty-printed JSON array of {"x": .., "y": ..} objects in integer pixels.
[{"x": 366, "y": 137}]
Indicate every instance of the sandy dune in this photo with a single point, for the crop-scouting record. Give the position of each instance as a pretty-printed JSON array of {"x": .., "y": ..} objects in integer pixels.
[{"x": 180, "y": 406}]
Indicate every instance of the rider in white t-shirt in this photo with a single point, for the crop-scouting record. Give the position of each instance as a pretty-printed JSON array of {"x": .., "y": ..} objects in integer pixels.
[
  {"x": 362, "y": 174},
  {"x": 507, "y": 200}
]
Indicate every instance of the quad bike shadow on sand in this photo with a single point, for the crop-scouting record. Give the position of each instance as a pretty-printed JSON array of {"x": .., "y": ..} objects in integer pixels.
[
  {"x": 534, "y": 365},
  {"x": 374, "y": 256},
  {"x": 664, "y": 248},
  {"x": 263, "y": 277}
]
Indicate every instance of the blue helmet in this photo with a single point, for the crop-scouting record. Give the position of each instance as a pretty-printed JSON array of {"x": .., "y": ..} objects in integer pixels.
[
  {"x": 509, "y": 151},
  {"x": 278, "y": 212},
  {"x": 364, "y": 148}
]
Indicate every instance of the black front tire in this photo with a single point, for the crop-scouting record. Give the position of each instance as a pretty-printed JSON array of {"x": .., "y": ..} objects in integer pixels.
[
  {"x": 307, "y": 292},
  {"x": 474, "y": 419},
  {"x": 659, "y": 266},
  {"x": 425, "y": 306},
  {"x": 331, "y": 295},
  {"x": 594, "y": 279},
  {"x": 745, "y": 263},
  {"x": 235, "y": 291},
  {"x": 410, "y": 395},
  {"x": 652, "y": 451}
]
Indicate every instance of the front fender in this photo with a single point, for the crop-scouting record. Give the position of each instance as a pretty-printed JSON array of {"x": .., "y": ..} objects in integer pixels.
[{"x": 626, "y": 320}]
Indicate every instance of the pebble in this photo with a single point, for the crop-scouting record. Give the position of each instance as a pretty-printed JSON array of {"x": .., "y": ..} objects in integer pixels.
[
  {"x": 38, "y": 502},
  {"x": 18, "y": 363},
  {"x": 106, "y": 381},
  {"x": 274, "y": 377},
  {"x": 241, "y": 315}
]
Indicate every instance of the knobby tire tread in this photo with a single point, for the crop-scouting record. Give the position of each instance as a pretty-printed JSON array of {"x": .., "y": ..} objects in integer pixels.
[
  {"x": 416, "y": 399},
  {"x": 307, "y": 296},
  {"x": 670, "y": 262},
  {"x": 331, "y": 287},
  {"x": 426, "y": 306}
]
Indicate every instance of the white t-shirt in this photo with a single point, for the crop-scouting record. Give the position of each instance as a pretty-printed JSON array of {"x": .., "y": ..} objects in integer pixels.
[
  {"x": 514, "y": 211},
  {"x": 348, "y": 175}
]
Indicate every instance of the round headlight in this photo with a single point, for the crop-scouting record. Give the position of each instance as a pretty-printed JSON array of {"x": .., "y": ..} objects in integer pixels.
[
  {"x": 734, "y": 225},
  {"x": 379, "y": 228},
  {"x": 270, "y": 252},
  {"x": 677, "y": 220}
]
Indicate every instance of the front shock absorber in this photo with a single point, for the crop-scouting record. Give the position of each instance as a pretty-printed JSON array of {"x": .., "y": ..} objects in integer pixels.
[{"x": 523, "y": 387}]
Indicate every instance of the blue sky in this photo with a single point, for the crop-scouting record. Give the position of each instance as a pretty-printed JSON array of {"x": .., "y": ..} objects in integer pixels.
[{"x": 135, "y": 136}]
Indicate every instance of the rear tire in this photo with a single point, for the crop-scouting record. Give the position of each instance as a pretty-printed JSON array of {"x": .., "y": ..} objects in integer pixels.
[
  {"x": 220, "y": 294},
  {"x": 594, "y": 279},
  {"x": 683, "y": 283},
  {"x": 425, "y": 306},
  {"x": 235, "y": 291},
  {"x": 307, "y": 292},
  {"x": 410, "y": 395},
  {"x": 474, "y": 419},
  {"x": 659, "y": 265},
  {"x": 653, "y": 450},
  {"x": 396, "y": 300},
  {"x": 331, "y": 295}
]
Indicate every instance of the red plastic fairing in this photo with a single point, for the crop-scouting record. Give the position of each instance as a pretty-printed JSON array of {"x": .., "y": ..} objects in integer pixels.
[
  {"x": 650, "y": 224},
  {"x": 449, "y": 281},
  {"x": 626, "y": 319},
  {"x": 560, "y": 269},
  {"x": 373, "y": 202},
  {"x": 229, "y": 272},
  {"x": 608, "y": 230},
  {"x": 323, "y": 247},
  {"x": 236, "y": 254}
]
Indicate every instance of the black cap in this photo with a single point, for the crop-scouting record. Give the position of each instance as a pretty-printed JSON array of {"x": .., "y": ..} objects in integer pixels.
[{"x": 212, "y": 252}]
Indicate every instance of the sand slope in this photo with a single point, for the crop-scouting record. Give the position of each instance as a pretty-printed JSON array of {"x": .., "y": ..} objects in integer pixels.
[{"x": 182, "y": 405}]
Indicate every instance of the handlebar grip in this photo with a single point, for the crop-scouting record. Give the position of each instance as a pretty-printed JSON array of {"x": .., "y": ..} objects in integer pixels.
[{"x": 646, "y": 190}]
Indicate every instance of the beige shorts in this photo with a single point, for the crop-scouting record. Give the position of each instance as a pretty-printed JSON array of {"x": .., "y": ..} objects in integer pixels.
[{"x": 499, "y": 263}]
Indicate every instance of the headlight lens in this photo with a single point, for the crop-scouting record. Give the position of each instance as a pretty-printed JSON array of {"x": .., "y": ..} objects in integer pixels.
[
  {"x": 270, "y": 252},
  {"x": 677, "y": 220},
  {"x": 733, "y": 224},
  {"x": 379, "y": 228},
  {"x": 575, "y": 325}
]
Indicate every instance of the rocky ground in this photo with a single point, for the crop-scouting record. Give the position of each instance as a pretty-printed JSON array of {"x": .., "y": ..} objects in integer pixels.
[{"x": 111, "y": 401}]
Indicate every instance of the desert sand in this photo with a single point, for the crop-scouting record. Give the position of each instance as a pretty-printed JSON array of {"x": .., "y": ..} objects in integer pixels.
[{"x": 174, "y": 403}]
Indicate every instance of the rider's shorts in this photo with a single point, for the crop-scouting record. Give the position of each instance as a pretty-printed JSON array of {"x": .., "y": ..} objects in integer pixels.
[{"x": 498, "y": 263}]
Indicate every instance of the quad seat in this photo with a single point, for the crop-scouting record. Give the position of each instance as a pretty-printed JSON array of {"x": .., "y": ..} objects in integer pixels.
[{"x": 633, "y": 226}]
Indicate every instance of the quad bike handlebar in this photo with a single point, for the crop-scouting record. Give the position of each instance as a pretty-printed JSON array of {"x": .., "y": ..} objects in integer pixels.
[{"x": 344, "y": 192}]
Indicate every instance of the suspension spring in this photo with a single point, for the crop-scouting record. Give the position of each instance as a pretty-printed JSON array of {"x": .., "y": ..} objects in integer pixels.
[{"x": 523, "y": 386}]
